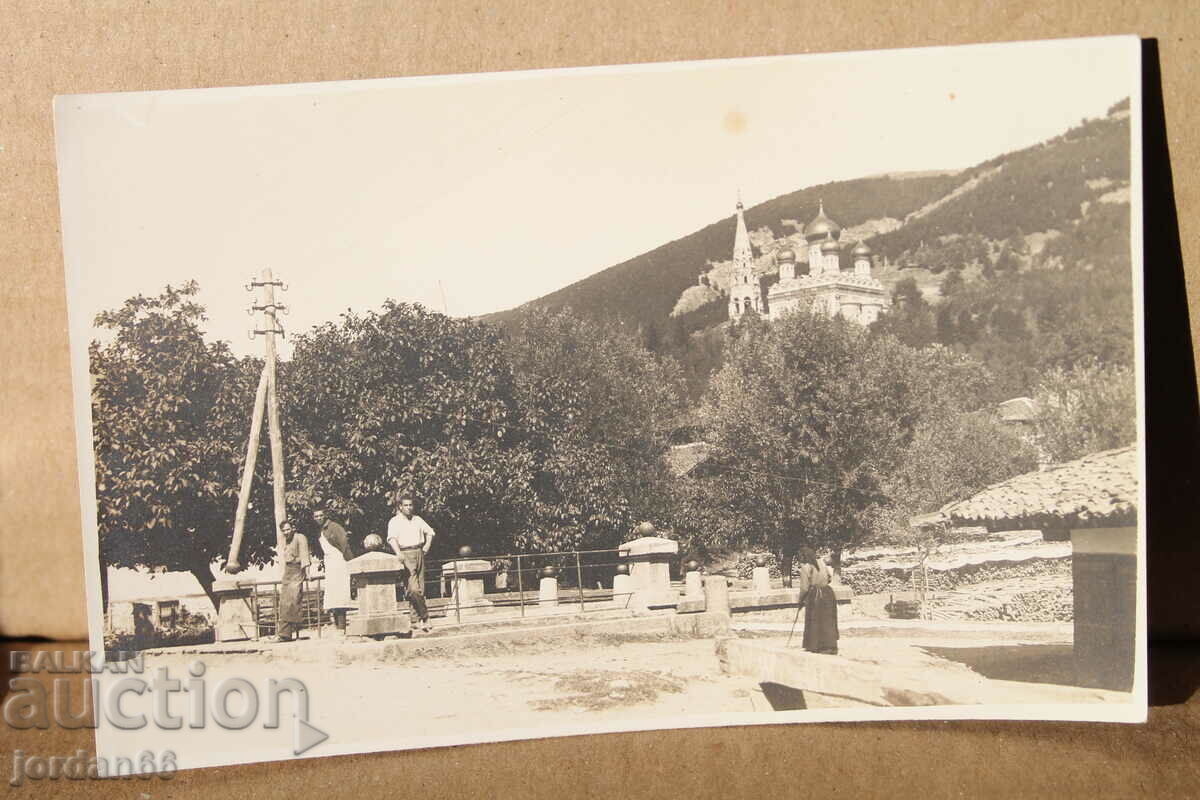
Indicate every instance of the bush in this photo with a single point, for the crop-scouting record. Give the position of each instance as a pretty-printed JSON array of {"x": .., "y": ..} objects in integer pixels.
[{"x": 195, "y": 629}]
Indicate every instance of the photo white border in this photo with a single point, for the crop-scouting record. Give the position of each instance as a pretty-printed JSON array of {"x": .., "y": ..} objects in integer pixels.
[{"x": 108, "y": 741}]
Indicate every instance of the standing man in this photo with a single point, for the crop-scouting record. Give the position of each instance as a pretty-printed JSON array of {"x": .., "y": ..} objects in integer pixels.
[
  {"x": 410, "y": 538},
  {"x": 335, "y": 545},
  {"x": 296, "y": 560}
]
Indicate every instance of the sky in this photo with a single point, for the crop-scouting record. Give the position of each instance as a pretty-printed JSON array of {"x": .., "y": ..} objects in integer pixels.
[{"x": 473, "y": 194}]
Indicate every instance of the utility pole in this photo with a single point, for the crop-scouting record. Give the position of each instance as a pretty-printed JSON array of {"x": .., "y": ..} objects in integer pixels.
[{"x": 266, "y": 402}]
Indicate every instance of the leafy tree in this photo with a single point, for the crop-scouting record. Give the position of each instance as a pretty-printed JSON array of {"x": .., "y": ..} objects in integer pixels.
[
  {"x": 594, "y": 411},
  {"x": 408, "y": 400},
  {"x": 953, "y": 283},
  {"x": 952, "y": 456},
  {"x": 907, "y": 294},
  {"x": 170, "y": 420},
  {"x": 810, "y": 415},
  {"x": 911, "y": 319},
  {"x": 1086, "y": 409}
]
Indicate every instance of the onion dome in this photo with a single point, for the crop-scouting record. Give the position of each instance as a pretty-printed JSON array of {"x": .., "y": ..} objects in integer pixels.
[
  {"x": 785, "y": 255},
  {"x": 861, "y": 250},
  {"x": 822, "y": 226},
  {"x": 830, "y": 246}
]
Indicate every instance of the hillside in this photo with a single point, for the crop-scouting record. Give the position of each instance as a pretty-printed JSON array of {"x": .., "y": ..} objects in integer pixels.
[
  {"x": 644, "y": 289},
  {"x": 1033, "y": 246}
]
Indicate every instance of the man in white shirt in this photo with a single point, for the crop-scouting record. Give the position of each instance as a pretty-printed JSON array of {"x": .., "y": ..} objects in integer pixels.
[{"x": 410, "y": 538}]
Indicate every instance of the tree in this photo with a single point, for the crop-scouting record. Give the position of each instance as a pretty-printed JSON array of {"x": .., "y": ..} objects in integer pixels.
[
  {"x": 1086, "y": 409},
  {"x": 170, "y": 418},
  {"x": 594, "y": 407},
  {"x": 407, "y": 400},
  {"x": 953, "y": 283},
  {"x": 550, "y": 439},
  {"x": 911, "y": 319},
  {"x": 808, "y": 418},
  {"x": 907, "y": 294},
  {"x": 952, "y": 456}
]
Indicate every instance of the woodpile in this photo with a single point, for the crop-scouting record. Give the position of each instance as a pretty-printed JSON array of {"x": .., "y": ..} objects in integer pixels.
[
  {"x": 873, "y": 580},
  {"x": 1040, "y": 605}
]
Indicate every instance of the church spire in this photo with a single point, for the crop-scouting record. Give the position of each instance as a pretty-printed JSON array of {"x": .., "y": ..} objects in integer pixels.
[
  {"x": 744, "y": 291},
  {"x": 743, "y": 256}
]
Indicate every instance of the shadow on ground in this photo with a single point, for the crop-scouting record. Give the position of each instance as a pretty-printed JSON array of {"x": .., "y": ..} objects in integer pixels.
[{"x": 1031, "y": 663}]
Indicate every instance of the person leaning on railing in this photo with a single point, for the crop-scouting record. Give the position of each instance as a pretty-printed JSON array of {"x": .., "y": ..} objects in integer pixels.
[{"x": 410, "y": 538}]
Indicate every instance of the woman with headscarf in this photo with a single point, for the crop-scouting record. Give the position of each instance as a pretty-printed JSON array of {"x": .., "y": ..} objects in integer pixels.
[{"x": 819, "y": 603}]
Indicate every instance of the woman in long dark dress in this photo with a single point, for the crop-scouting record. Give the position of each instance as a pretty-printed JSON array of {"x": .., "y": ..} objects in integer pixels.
[{"x": 820, "y": 605}]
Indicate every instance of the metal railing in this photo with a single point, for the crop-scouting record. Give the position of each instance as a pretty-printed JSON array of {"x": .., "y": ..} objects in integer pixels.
[
  {"x": 525, "y": 571},
  {"x": 511, "y": 584}
]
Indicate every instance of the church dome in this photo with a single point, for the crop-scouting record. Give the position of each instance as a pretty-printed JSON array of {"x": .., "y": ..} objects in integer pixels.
[
  {"x": 822, "y": 226},
  {"x": 861, "y": 250},
  {"x": 830, "y": 246},
  {"x": 785, "y": 255}
]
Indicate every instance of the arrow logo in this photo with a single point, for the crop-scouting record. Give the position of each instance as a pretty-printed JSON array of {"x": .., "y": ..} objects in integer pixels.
[{"x": 307, "y": 736}]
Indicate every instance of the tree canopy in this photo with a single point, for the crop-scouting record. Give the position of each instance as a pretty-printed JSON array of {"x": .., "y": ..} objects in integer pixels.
[
  {"x": 551, "y": 439},
  {"x": 405, "y": 400},
  {"x": 1086, "y": 409},
  {"x": 170, "y": 417},
  {"x": 810, "y": 417},
  {"x": 596, "y": 409}
]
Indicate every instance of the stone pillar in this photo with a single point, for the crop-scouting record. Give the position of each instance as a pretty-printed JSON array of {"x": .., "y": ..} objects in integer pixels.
[
  {"x": 761, "y": 578},
  {"x": 548, "y": 592},
  {"x": 378, "y": 614},
  {"x": 235, "y": 610},
  {"x": 694, "y": 584},
  {"x": 466, "y": 578},
  {"x": 650, "y": 560},
  {"x": 622, "y": 587},
  {"x": 716, "y": 594}
]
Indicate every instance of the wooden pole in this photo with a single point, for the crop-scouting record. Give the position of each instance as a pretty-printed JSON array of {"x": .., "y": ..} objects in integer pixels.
[
  {"x": 276, "y": 433},
  {"x": 233, "y": 564}
]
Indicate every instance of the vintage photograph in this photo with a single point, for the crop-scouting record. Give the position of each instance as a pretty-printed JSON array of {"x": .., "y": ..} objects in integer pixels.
[{"x": 440, "y": 410}]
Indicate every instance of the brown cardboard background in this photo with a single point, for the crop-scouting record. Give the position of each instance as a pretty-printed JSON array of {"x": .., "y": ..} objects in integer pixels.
[{"x": 58, "y": 47}]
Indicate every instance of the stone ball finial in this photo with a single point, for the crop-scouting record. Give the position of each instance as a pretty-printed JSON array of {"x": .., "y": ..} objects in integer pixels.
[
  {"x": 692, "y": 565},
  {"x": 549, "y": 571},
  {"x": 760, "y": 559},
  {"x": 644, "y": 529},
  {"x": 622, "y": 569},
  {"x": 373, "y": 542},
  {"x": 465, "y": 551}
]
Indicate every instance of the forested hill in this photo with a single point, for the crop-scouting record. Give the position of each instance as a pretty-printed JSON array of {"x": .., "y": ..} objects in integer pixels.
[
  {"x": 1022, "y": 260},
  {"x": 1041, "y": 188},
  {"x": 644, "y": 289}
]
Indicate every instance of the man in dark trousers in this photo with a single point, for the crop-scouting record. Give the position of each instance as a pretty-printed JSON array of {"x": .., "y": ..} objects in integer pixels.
[
  {"x": 296, "y": 559},
  {"x": 410, "y": 538}
]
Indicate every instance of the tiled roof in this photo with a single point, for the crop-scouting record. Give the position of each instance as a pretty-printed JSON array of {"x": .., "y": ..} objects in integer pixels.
[
  {"x": 684, "y": 458},
  {"x": 1099, "y": 490}
]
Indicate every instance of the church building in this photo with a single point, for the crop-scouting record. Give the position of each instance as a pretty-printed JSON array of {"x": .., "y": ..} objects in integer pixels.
[{"x": 825, "y": 286}]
